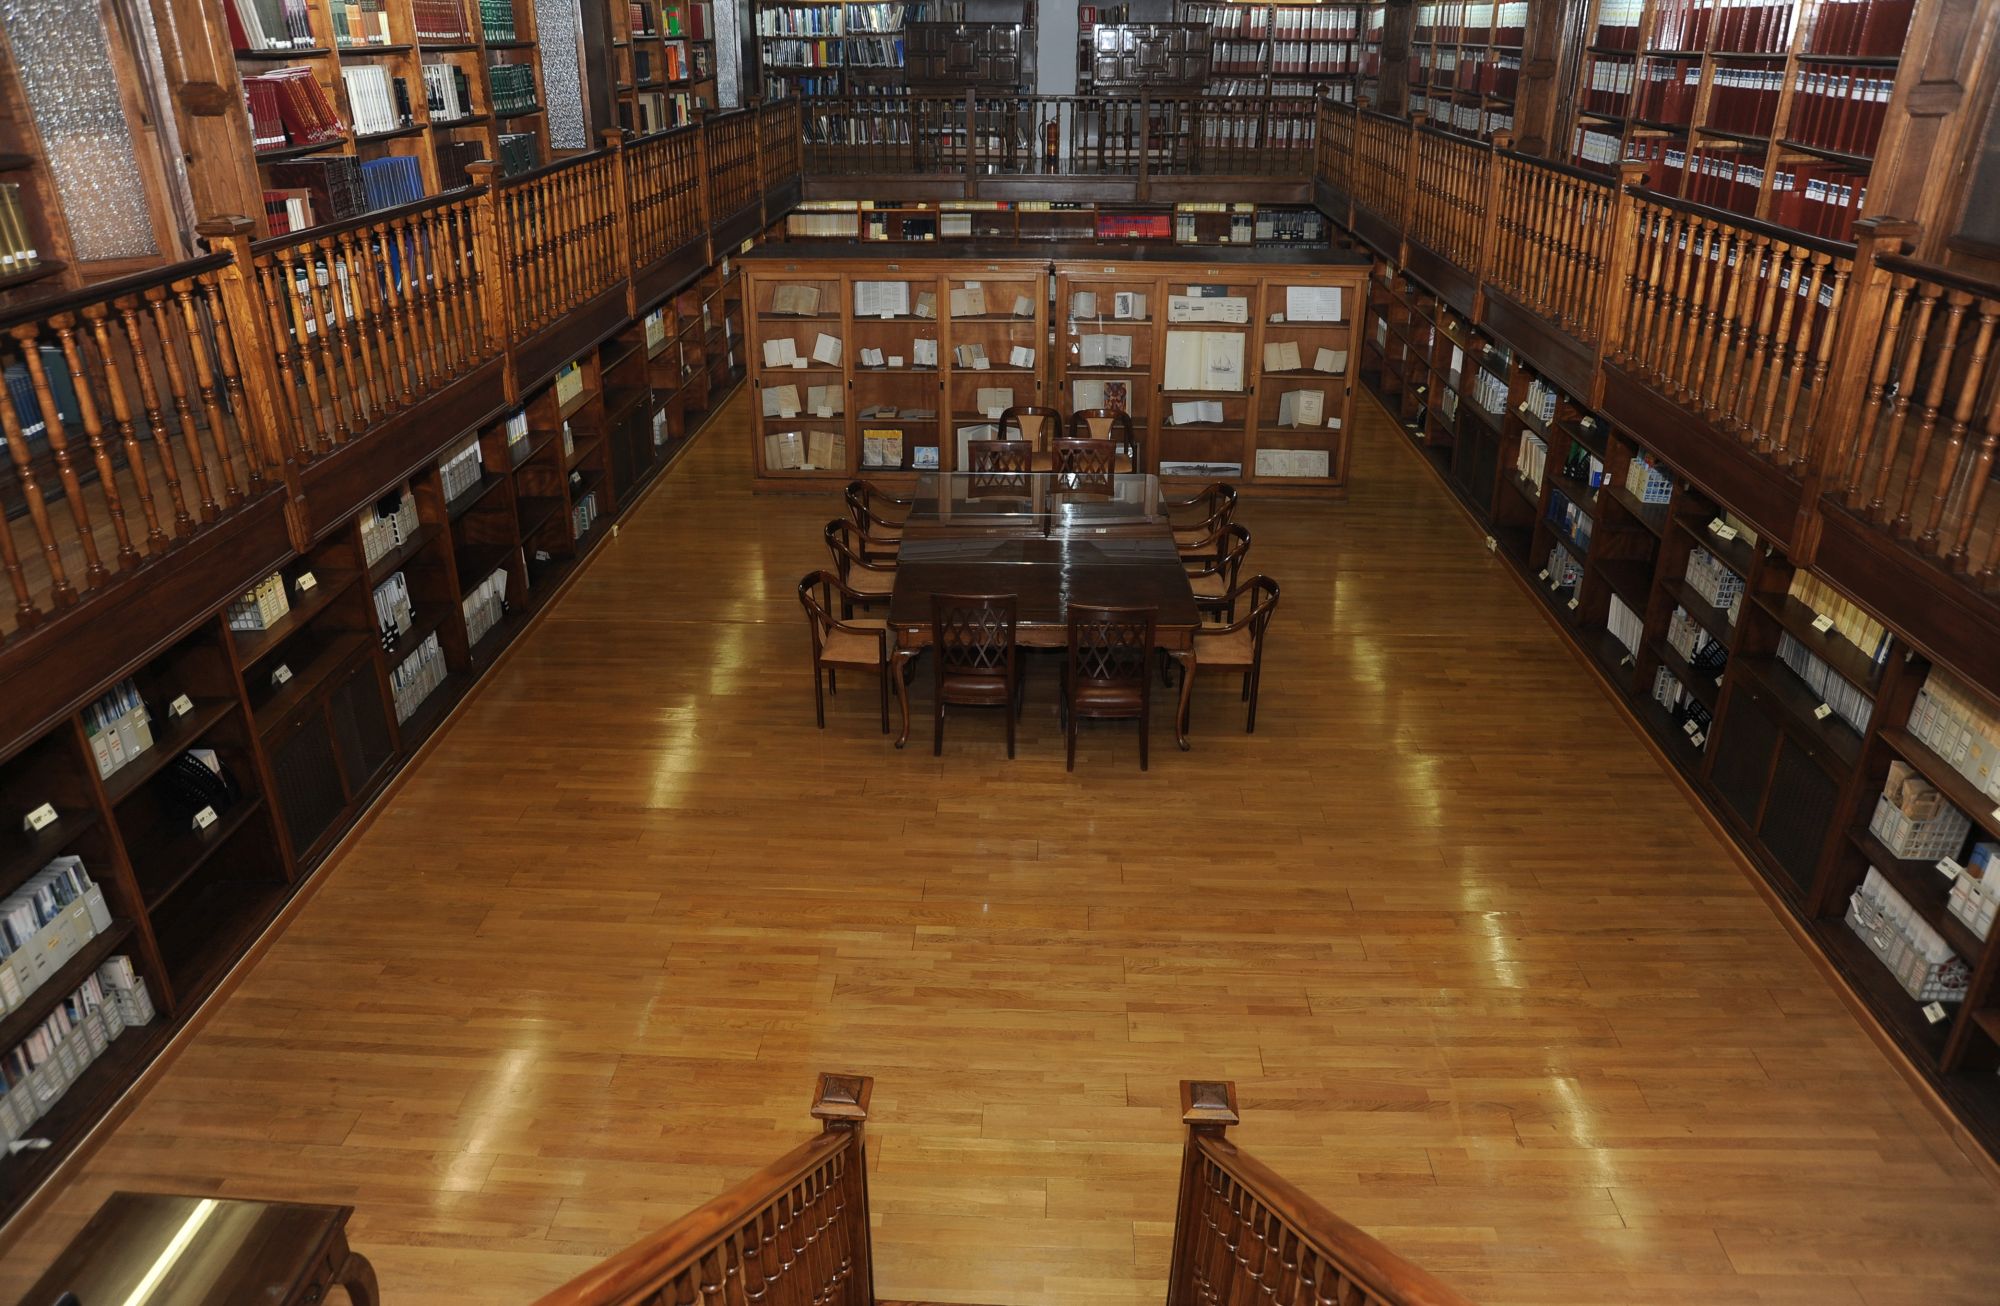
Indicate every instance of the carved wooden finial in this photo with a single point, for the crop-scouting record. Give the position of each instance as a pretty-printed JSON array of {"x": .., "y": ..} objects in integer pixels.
[
  {"x": 1209, "y": 1104},
  {"x": 841, "y": 1101}
]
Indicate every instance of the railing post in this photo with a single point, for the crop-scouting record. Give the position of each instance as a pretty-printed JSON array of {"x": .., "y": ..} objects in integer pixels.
[
  {"x": 621, "y": 221},
  {"x": 1208, "y": 1109},
  {"x": 496, "y": 274},
  {"x": 1406, "y": 212},
  {"x": 840, "y": 1104},
  {"x": 256, "y": 354},
  {"x": 1608, "y": 314},
  {"x": 1488, "y": 220},
  {"x": 704, "y": 194}
]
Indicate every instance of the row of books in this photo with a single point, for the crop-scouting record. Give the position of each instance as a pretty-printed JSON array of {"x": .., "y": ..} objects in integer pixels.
[
  {"x": 1581, "y": 466},
  {"x": 417, "y": 677},
  {"x": 44, "y": 923},
  {"x": 1593, "y": 147},
  {"x": 379, "y": 102},
  {"x": 496, "y": 20},
  {"x": 447, "y": 92},
  {"x": 1573, "y": 525},
  {"x": 1447, "y": 21},
  {"x": 1286, "y": 57},
  {"x": 1625, "y": 625},
  {"x": 288, "y": 107},
  {"x": 1489, "y": 391},
  {"x": 658, "y": 111},
  {"x": 398, "y": 179},
  {"x": 802, "y": 20},
  {"x": 1847, "y": 619},
  {"x": 1736, "y": 25},
  {"x": 1821, "y": 199},
  {"x": 1847, "y": 700},
  {"x": 1744, "y": 100},
  {"x": 35, "y": 1073},
  {"x": 513, "y": 88},
  {"x": 359, "y": 23},
  {"x": 802, "y": 54},
  {"x": 519, "y": 152},
  {"x": 393, "y": 524},
  {"x": 1709, "y": 577},
  {"x": 263, "y": 607},
  {"x": 872, "y": 17},
  {"x": 1682, "y": 706},
  {"x": 1540, "y": 400},
  {"x": 1959, "y": 726},
  {"x": 268, "y": 24},
  {"x": 485, "y": 605},
  {"x": 1666, "y": 91},
  {"x": 1531, "y": 458},
  {"x": 1858, "y": 27},
  {"x": 18, "y": 250},
  {"x": 1700, "y": 650},
  {"x": 583, "y": 515},
  {"x": 441, "y": 21},
  {"x": 1975, "y": 893},
  {"x": 394, "y": 612},
  {"x": 1839, "y": 110},
  {"x": 680, "y": 18},
  {"x": 118, "y": 727},
  {"x": 1906, "y": 943},
  {"x": 1648, "y": 481},
  {"x": 874, "y": 52},
  {"x": 1607, "y": 85},
  {"x": 461, "y": 471},
  {"x": 332, "y": 183}
]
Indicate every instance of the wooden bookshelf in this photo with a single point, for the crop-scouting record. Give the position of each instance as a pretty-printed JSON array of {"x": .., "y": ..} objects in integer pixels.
[
  {"x": 1771, "y": 110},
  {"x": 1465, "y": 64},
  {"x": 1781, "y": 723},
  {"x": 661, "y": 62},
  {"x": 1263, "y": 226},
  {"x": 1282, "y": 49},
  {"x": 936, "y": 410}
]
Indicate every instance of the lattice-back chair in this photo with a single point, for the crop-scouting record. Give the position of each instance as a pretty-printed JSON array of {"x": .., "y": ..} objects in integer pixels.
[
  {"x": 860, "y": 575},
  {"x": 1201, "y": 534},
  {"x": 1106, "y": 673},
  {"x": 1214, "y": 577},
  {"x": 881, "y": 536},
  {"x": 1237, "y": 647},
  {"x": 999, "y": 468},
  {"x": 1038, "y": 424},
  {"x": 862, "y": 645},
  {"x": 974, "y": 657},
  {"x": 1086, "y": 465},
  {"x": 1113, "y": 424}
]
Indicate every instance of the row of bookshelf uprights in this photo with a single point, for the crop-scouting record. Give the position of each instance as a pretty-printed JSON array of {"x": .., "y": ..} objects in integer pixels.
[
  {"x": 294, "y": 706},
  {"x": 1280, "y": 48},
  {"x": 1860, "y": 779},
  {"x": 662, "y": 61},
  {"x": 889, "y": 369}
]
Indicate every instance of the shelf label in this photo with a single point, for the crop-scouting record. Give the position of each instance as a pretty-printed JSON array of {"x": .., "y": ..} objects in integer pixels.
[
  {"x": 1491, "y": 544},
  {"x": 305, "y": 581},
  {"x": 1543, "y": 574},
  {"x": 888, "y": 317},
  {"x": 801, "y": 364},
  {"x": 1718, "y": 682},
  {"x": 1822, "y": 623},
  {"x": 281, "y": 675},
  {"x": 181, "y": 706},
  {"x": 204, "y": 818},
  {"x": 1949, "y": 868},
  {"x": 1572, "y": 605},
  {"x": 1720, "y": 530},
  {"x": 1688, "y": 728},
  {"x": 1625, "y": 661},
  {"x": 41, "y": 818},
  {"x": 1934, "y": 1012},
  {"x": 1822, "y": 712}
]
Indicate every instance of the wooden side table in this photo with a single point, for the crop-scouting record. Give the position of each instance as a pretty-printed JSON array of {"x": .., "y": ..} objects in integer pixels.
[{"x": 189, "y": 1251}]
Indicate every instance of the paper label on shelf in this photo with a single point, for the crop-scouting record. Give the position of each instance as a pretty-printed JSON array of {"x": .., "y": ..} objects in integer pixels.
[
  {"x": 1822, "y": 623},
  {"x": 204, "y": 818},
  {"x": 981, "y": 363},
  {"x": 895, "y": 360},
  {"x": 1625, "y": 661},
  {"x": 1543, "y": 574},
  {"x": 1697, "y": 739},
  {"x": 1688, "y": 728},
  {"x": 994, "y": 413},
  {"x": 1572, "y": 605},
  {"x": 305, "y": 581},
  {"x": 181, "y": 706},
  {"x": 1950, "y": 869},
  {"x": 801, "y": 364},
  {"x": 1491, "y": 544},
  {"x": 41, "y": 818},
  {"x": 281, "y": 675},
  {"x": 823, "y": 411},
  {"x": 1822, "y": 712},
  {"x": 1934, "y": 1012},
  {"x": 1718, "y": 682},
  {"x": 888, "y": 317}
]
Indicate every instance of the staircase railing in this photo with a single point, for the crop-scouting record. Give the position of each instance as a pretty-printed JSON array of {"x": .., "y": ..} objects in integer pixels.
[
  {"x": 793, "y": 1234},
  {"x": 1243, "y": 1234}
]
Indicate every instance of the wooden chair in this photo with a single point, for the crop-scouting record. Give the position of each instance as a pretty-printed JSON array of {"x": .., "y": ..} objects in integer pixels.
[
  {"x": 1113, "y": 424},
  {"x": 858, "y": 645},
  {"x": 1000, "y": 468},
  {"x": 1106, "y": 675},
  {"x": 883, "y": 535},
  {"x": 1089, "y": 458},
  {"x": 1217, "y": 505},
  {"x": 1037, "y": 424},
  {"x": 975, "y": 661},
  {"x": 868, "y": 581},
  {"x": 1214, "y": 577},
  {"x": 879, "y": 502},
  {"x": 1237, "y": 647}
]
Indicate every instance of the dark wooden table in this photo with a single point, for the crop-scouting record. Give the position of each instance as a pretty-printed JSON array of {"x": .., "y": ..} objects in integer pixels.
[
  {"x": 1049, "y": 546},
  {"x": 207, "y": 1251}
]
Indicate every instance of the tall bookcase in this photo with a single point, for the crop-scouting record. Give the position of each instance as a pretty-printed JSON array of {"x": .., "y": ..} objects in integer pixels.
[
  {"x": 1243, "y": 224},
  {"x": 1787, "y": 709},
  {"x": 1282, "y": 49},
  {"x": 1769, "y": 110},
  {"x": 1465, "y": 64},
  {"x": 844, "y": 389},
  {"x": 837, "y": 48},
  {"x": 662, "y": 62},
  {"x": 486, "y": 51}
]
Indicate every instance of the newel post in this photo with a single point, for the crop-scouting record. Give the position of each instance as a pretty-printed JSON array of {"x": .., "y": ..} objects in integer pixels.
[
  {"x": 1613, "y": 293},
  {"x": 256, "y": 363},
  {"x": 1208, "y": 1109},
  {"x": 704, "y": 182},
  {"x": 496, "y": 274},
  {"x": 1406, "y": 212},
  {"x": 1859, "y": 352},
  {"x": 840, "y": 1104},
  {"x": 621, "y": 217}
]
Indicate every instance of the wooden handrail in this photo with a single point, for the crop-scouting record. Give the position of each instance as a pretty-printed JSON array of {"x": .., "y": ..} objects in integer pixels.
[
  {"x": 368, "y": 219},
  {"x": 1756, "y": 226},
  {"x": 1949, "y": 278},
  {"x": 795, "y": 1233},
  {"x": 98, "y": 292},
  {"x": 1245, "y": 1233}
]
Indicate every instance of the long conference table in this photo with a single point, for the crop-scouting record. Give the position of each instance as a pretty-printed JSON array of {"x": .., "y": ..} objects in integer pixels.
[{"x": 1050, "y": 540}]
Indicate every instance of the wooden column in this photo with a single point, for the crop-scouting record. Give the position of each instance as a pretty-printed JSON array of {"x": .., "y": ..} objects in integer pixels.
[
  {"x": 1208, "y": 1109},
  {"x": 266, "y": 420},
  {"x": 198, "y": 61},
  {"x": 756, "y": 109},
  {"x": 1551, "y": 60},
  {"x": 1935, "y": 119},
  {"x": 840, "y": 1104},
  {"x": 1399, "y": 21}
]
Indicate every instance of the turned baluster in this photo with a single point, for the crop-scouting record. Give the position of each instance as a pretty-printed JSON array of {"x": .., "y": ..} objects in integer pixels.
[
  {"x": 207, "y": 387},
  {"x": 257, "y": 432},
  {"x": 1816, "y": 345},
  {"x": 385, "y": 272},
  {"x": 1791, "y": 278},
  {"x": 186, "y": 421},
  {"x": 1941, "y": 369},
  {"x": 1716, "y": 351},
  {"x": 26, "y": 614},
  {"x": 1699, "y": 324},
  {"x": 97, "y": 317},
  {"x": 314, "y": 331},
  {"x": 1573, "y": 295},
  {"x": 413, "y": 297},
  {"x": 1683, "y": 252},
  {"x": 1976, "y": 481},
  {"x": 54, "y": 432},
  {"x": 294, "y": 356},
  {"x": 496, "y": 310},
  {"x": 1769, "y": 271},
  {"x": 1857, "y": 441},
  {"x": 1899, "y": 408},
  {"x": 1648, "y": 269},
  {"x": 354, "y": 327},
  {"x": 434, "y": 241},
  {"x": 1535, "y": 244},
  {"x": 64, "y": 325},
  {"x": 1972, "y": 381},
  {"x": 61, "y": 592}
]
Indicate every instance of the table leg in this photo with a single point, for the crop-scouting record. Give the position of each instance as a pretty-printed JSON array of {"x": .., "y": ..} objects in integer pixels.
[
  {"x": 1186, "y": 658},
  {"x": 357, "y": 1276},
  {"x": 897, "y": 660}
]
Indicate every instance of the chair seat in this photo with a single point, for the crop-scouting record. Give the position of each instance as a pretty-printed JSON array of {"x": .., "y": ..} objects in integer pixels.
[
  {"x": 847, "y": 649},
  {"x": 1189, "y": 539},
  {"x": 1092, "y": 699},
  {"x": 872, "y": 583},
  {"x": 976, "y": 691},
  {"x": 1232, "y": 649},
  {"x": 1211, "y": 586}
]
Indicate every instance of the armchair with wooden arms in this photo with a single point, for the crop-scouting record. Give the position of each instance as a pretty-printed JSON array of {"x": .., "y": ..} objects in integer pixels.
[
  {"x": 861, "y": 645},
  {"x": 1113, "y": 424},
  {"x": 1199, "y": 534},
  {"x": 1237, "y": 646},
  {"x": 1214, "y": 577},
  {"x": 1105, "y": 670},
  {"x": 1038, "y": 424},
  {"x": 867, "y": 580}
]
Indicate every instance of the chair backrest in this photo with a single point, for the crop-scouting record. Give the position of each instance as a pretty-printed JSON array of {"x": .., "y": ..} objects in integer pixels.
[
  {"x": 1113, "y": 424},
  {"x": 1036, "y": 423},
  {"x": 1110, "y": 646},
  {"x": 813, "y": 587},
  {"x": 1233, "y": 547},
  {"x": 973, "y": 634},
  {"x": 1001, "y": 455},
  {"x": 847, "y": 544},
  {"x": 1263, "y": 592},
  {"x": 1084, "y": 457}
]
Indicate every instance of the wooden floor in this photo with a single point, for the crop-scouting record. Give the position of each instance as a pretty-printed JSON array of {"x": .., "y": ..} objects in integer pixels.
[{"x": 1489, "y": 987}]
